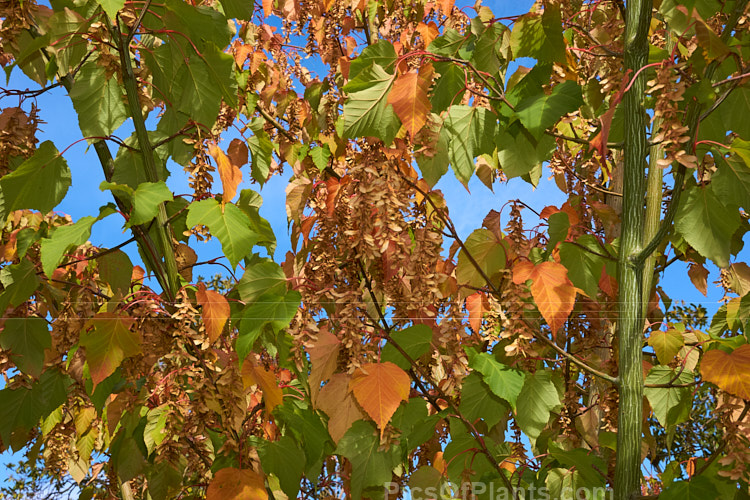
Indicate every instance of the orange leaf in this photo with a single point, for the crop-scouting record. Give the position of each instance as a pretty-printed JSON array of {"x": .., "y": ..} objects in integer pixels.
[
  {"x": 230, "y": 174},
  {"x": 728, "y": 371},
  {"x": 553, "y": 292},
  {"x": 215, "y": 311},
  {"x": 409, "y": 98},
  {"x": 236, "y": 484},
  {"x": 379, "y": 389},
  {"x": 428, "y": 32},
  {"x": 266, "y": 380},
  {"x": 699, "y": 277},
  {"x": 337, "y": 402},
  {"x": 477, "y": 305},
  {"x": 323, "y": 357},
  {"x": 108, "y": 340}
]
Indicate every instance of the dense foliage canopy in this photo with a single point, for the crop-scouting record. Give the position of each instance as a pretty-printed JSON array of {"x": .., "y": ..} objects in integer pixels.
[{"x": 384, "y": 355}]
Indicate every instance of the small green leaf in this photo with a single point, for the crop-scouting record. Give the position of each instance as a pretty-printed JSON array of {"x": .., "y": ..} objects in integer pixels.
[
  {"x": 381, "y": 53},
  {"x": 433, "y": 162},
  {"x": 698, "y": 488},
  {"x": 539, "y": 36},
  {"x": 228, "y": 223},
  {"x": 238, "y": 9},
  {"x": 666, "y": 344},
  {"x": 371, "y": 466},
  {"x": 706, "y": 224},
  {"x": 504, "y": 381},
  {"x": 26, "y": 339},
  {"x": 39, "y": 183},
  {"x": 470, "y": 132},
  {"x": 477, "y": 401},
  {"x": 277, "y": 311},
  {"x": 111, "y": 6},
  {"x": 519, "y": 153},
  {"x": 108, "y": 340},
  {"x": 146, "y": 200},
  {"x": 449, "y": 86},
  {"x": 584, "y": 267},
  {"x": 20, "y": 281},
  {"x": 320, "y": 156},
  {"x": 116, "y": 269},
  {"x": 414, "y": 340},
  {"x": 153, "y": 433},
  {"x": 366, "y": 111},
  {"x": 731, "y": 181},
  {"x": 261, "y": 278},
  {"x": 64, "y": 237},
  {"x": 487, "y": 252},
  {"x": 538, "y": 397},
  {"x": 98, "y": 101},
  {"x": 541, "y": 111},
  {"x": 671, "y": 405},
  {"x": 286, "y": 461},
  {"x": 261, "y": 148}
]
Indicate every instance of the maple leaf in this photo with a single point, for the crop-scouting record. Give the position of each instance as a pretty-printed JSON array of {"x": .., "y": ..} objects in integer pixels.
[
  {"x": 379, "y": 389},
  {"x": 476, "y": 305},
  {"x": 337, "y": 402},
  {"x": 409, "y": 98},
  {"x": 108, "y": 340},
  {"x": 236, "y": 484},
  {"x": 324, "y": 355},
  {"x": 699, "y": 277},
  {"x": 215, "y": 311},
  {"x": 266, "y": 380},
  {"x": 553, "y": 292},
  {"x": 230, "y": 173},
  {"x": 728, "y": 371}
]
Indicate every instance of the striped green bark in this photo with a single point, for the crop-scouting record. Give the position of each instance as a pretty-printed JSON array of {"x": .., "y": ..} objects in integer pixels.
[{"x": 630, "y": 269}]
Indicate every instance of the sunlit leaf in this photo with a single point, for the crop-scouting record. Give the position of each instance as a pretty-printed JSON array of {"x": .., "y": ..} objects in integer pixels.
[
  {"x": 228, "y": 223},
  {"x": 265, "y": 380},
  {"x": 380, "y": 388},
  {"x": 108, "y": 340},
  {"x": 214, "y": 310},
  {"x": 409, "y": 98},
  {"x": 728, "y": 370},
  {"x": 237, "y": 484},
  {"x": 553, "y": 292},
  {"x": 366, "y": 111}
]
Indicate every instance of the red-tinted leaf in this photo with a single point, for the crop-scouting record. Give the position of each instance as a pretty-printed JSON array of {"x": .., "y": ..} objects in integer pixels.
[
  {"x": 379, "y": 389},
  {"x": 409, "y": 98},
  {"x": 337, "y": 402},
  {"x": 230, "y": 174},
  {"x": 108, "y": 340},
  {"x": 699, "y": 277},
  {"x": 266, "y": 380},
  {"x": 553, "y": 292},
  {"x": 215, "y": 311},
  {"x": 477, "y": 304}
]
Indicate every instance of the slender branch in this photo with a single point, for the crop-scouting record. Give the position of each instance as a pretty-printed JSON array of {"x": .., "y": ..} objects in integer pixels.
[
  {"x": 578, "y": 140},
  {"x": 98, "y": 254},
  {"x": 171, "y": 283},
  {"x": 276, "y": 124}
]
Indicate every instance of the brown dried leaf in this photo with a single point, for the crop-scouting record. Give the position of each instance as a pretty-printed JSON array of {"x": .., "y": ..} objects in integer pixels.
[{"x": 337, "y": 402}]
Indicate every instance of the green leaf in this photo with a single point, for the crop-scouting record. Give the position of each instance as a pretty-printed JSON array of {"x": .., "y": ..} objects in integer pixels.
[
  {"x": 153, "y": 433},
  {"x": 261, "y": 278},
  {"x": 366, "y": 111},
  {"x": 470, "y": 131},
  {"x": 519, "y": 154},
  {"x": 310, "y": 430},
  {"x": 111, "y": 6},
  {"x": 286, "y": 461},
  {"x": 64, "y": 237},
  {"x": 504, "y": 381},
  {"x": 671, "y": 405},
  {"x": 20, "y": 281},
  {"x": 538, "y": 397},
  {"x": 261, "y": 148},
  {"x": 26, "y": 339},
  {"x": 448, "y": 87},
  {"x": 539, "y": 36},
  {"x": 587, "y": 464},
  {"x": 320, "y": 156},
  {"x": 200, "y": 97},
  {"x": 559, "y": 223},
  {"x": 130, "y": 170},
  {"x": 21, "y": 408},
  {"x": 731, "y": 181},
  {"x": 448, "y": 44},
  {"x": 584, "y": 268},
  {"x": 541, "y": 111},
  {"x": 434, "y": 163},
  {"x": 221, "y": 72},
  {"x": 487, "y": 55},
  {"x": 698, "y": 488},
  {"x": 477, "y": 401},
  {"x": 228, "y": 223},
  {"x": 489, "y": 254},
  {"x": 98, "y": 100},
  {"x": 414, "y": 340},
  {"x": 108, "y": 340},
  {"x": 39, "y": 183},
  {"x": 706, "y": 224},
  {"x": 370, "y": 465},
  {"x": 666, "y": 344},
  {"x": 277, "y": 311},
  {"x": 238, "y": 9},
  {"x": 116, "y": 269},
  {"x": 146, "y": 200},
  {"x": 381, "y": 53}
]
